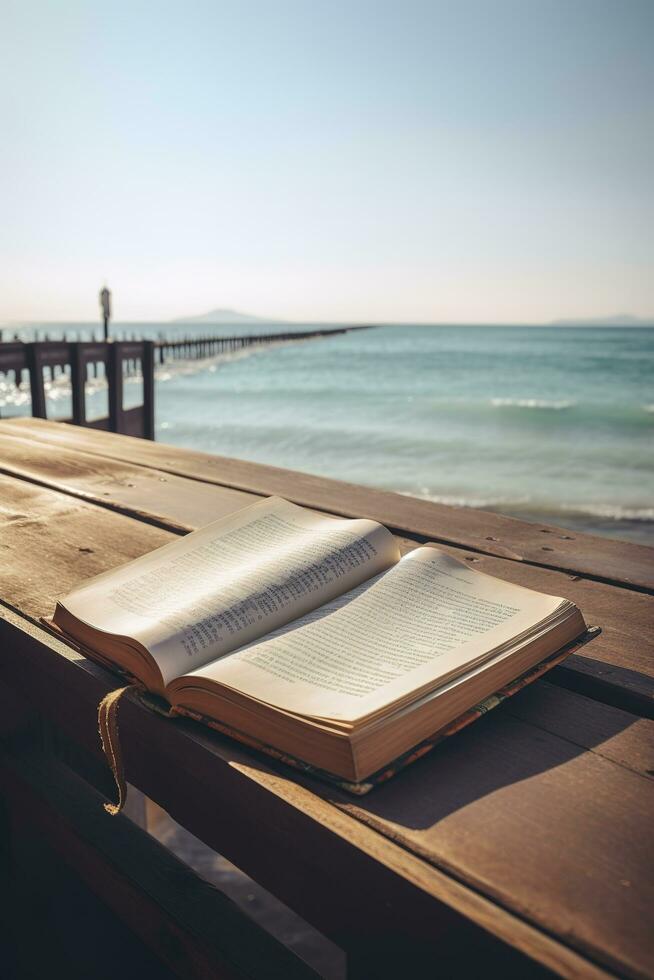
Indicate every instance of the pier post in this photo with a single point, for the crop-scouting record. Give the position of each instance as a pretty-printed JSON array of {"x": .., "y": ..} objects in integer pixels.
[
  {"x": 36, "y": 381},
  {"x": 115, "y": 384},
  {"x": 147, "y": 369},
  {"x": 78, "y": 384}
]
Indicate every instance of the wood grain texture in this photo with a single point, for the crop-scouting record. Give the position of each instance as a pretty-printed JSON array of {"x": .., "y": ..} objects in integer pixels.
[
  {"x": 50, "y": 542},
  {"x": 620, "y": 661},
  {"x": 541, "y": 544},
  {"x": 610, "y": 732},
  {"x": 356, "y": 882},
  {"x": 515, "y": 810},
  {"x": 533, "y": 824},
  {"x": 158, "y": 498}
]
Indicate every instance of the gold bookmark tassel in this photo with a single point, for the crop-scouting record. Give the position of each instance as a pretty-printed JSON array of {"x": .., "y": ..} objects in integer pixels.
[{"x": 108, "y": 725}]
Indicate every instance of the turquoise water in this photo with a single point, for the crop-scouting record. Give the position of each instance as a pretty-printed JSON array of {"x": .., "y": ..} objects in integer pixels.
[{"x": 545, "y": 423}]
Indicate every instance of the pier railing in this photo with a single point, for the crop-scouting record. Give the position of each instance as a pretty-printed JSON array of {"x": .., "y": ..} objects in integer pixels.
[
  {"x": 191, "y": 348},
  {"x": 45, "y": 361},
  {"x": 83, "y": 362}
]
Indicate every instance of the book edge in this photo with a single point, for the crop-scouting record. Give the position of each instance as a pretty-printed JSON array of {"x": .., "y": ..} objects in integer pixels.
[
  {"x": 361, "y": 788},
  {"x": 356, "y": 788}
]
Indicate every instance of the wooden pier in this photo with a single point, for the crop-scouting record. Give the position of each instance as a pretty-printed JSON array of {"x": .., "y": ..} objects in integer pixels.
[
  {"x": 520, "y": 850},
  {"x": 194, "y": 348},
  {"x": 116, "y": 360}
]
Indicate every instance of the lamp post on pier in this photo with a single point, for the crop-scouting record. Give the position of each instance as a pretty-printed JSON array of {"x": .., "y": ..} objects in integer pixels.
[{"x": 105, "y": 305}]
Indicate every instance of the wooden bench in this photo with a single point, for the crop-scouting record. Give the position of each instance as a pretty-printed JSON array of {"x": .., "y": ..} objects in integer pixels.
[{"x": 522, "y": 847}]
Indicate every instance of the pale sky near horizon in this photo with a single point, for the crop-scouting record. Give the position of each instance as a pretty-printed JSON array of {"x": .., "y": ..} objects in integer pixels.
[{"x": 471, "y": 161}]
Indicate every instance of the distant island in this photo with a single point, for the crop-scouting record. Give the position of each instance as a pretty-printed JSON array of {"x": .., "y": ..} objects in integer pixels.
[
  {"x": 225, "y": 316},
  {"x": 617, "y": 320}
]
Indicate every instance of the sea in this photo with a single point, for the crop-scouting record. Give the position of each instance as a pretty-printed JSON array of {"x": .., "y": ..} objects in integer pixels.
[{"x": 550, "y": 424}]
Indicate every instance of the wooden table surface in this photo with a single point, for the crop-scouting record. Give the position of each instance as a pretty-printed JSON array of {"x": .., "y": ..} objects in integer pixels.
[{"x": 530, "y": 832}]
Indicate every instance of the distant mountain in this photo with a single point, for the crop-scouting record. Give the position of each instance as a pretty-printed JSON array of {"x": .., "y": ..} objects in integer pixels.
[
  {"x": 224, "y": 316},
  {"x": 617, "y": 320}
]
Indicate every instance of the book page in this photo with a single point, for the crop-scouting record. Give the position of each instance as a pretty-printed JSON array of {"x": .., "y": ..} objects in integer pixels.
[
  {"x": 428, "y": 618},
  {"x": 236, "y": 579}
]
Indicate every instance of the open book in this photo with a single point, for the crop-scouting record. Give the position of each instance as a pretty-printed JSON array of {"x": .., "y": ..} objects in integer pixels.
[{"x": 313, "y": 635}]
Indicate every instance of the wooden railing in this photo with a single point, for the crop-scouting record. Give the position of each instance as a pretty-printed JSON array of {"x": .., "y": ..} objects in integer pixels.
[{"x": 81, "y": 362}]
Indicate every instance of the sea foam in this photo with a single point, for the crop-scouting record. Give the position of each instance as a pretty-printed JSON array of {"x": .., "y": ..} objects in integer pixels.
[{"x": 531, "y": 403}]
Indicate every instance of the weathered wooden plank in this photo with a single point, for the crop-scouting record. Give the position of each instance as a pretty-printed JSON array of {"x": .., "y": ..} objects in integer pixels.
[
  {"x": 546, "y": 818},
  {"x": 618, "y": 666},
  {"x": 350, "y": 879},
  {"x": 42, "y": 535},
  {"x": 541, "y": 544},
  {"x": 172, "y": 501},
  {"x": 609, "y": 733},
  {"x": 443, "y": 850},
  {"x": 191, "y": 927},
  {"x": 50, "y": 542}
]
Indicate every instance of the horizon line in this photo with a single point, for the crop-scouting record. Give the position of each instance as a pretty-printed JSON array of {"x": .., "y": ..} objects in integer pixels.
[{"x": 642, "y": 321}]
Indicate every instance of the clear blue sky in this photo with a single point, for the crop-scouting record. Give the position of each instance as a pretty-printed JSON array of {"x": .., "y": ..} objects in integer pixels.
[{"x": 478, "y": 160}]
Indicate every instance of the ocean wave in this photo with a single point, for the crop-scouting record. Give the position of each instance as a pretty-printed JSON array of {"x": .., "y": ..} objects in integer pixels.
[
  {"x": 648, "y": 408},
  {"x": 526, "y": 504},
  {"x": 611, "y": 512},
  {"x": 542, "y": 403},
  {"x": 483, "y": 503}
]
